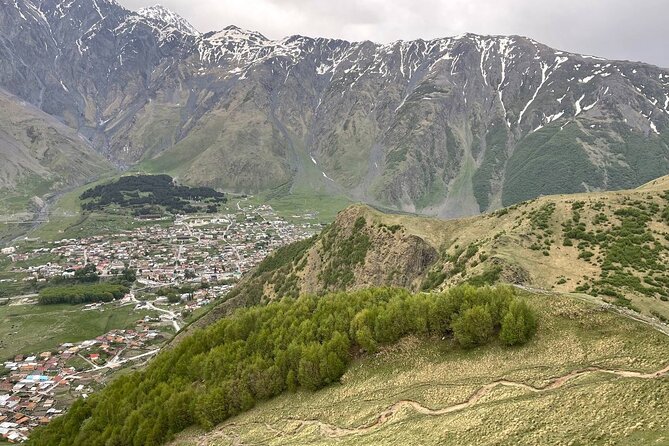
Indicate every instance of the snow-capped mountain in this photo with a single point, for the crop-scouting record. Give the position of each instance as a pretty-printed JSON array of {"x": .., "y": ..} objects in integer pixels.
[
  {"x": 448, "y": 126},
  {"x": 166, "y": 19}
]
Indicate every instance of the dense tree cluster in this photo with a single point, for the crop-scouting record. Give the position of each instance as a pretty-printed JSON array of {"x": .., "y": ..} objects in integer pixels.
[
  {"x": 262, "y": 351},
  {"x": 80, "y": 294},
  {"x": 149, "y": 194}
]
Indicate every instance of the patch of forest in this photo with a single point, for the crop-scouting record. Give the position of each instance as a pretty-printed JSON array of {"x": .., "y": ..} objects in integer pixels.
[
  {"x": 152, "y": 195},
  {"x": 85, "y": 287},
  {"x": 263, "y": 351}
]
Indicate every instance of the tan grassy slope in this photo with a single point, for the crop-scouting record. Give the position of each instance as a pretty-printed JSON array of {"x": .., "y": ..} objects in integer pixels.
[
  {"x": 589, "y": 377},
  {"x": 612, "y": 245}
]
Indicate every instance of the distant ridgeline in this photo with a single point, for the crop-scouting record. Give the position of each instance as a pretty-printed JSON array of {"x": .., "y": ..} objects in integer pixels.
[{"x": 152, "y": 194}]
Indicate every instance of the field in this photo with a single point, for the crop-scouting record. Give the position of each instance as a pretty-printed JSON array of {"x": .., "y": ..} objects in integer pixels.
[
  {"x": 35, "y": 328},
  {"x": 325, "y": 207},
  {"x": 414, "y": 394}
]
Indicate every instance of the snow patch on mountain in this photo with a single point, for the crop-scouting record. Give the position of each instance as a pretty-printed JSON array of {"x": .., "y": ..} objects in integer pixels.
[{"x": 168, "y": 19}]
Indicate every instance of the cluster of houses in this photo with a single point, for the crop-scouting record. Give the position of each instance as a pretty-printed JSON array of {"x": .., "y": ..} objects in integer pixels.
[
  {"x": 216, "y": 249},
  {"x": 37, "y": 388},
  {"x": 27, "y": 393},
  {"x": 193, "y": 249}
]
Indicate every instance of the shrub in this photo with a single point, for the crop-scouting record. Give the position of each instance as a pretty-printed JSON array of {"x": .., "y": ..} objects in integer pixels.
[{"x": 518, "y": 325}]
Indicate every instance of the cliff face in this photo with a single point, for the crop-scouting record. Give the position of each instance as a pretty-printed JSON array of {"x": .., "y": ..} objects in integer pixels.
[
  {"x": 358, "y": 252},
  {"x": 610, "y": 245}
]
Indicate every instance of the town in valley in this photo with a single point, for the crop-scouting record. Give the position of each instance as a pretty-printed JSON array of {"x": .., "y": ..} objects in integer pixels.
[{"x": 181, "y": 265}]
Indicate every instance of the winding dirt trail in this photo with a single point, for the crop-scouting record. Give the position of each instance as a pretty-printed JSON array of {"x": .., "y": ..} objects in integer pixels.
[
  {"x": 388, "y": 414},
  {"x": 334, "y": 431}
]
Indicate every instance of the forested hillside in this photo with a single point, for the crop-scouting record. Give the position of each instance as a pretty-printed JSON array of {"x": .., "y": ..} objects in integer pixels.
[
  {"x": 262, "y": 351},
  {"x": 151, "y": 194}
]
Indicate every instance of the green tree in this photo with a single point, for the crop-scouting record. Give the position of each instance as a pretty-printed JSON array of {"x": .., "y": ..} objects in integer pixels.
[
  {"x": 129, "y": 275},
  {"x": 87, "y": 274},
  {"x": 518, "y": 325},
  {"x": 473, "y": 327}
]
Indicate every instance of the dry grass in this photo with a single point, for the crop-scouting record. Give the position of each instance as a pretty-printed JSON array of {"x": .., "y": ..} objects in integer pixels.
[{"x": 510, "y": 236}]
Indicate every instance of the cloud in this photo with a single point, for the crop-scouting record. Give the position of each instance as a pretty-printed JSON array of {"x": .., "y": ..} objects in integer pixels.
[{"x": 617, "y": 29}]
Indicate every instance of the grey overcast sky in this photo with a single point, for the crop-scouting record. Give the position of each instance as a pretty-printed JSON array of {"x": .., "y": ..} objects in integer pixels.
[{"x": 617, "y": 29}]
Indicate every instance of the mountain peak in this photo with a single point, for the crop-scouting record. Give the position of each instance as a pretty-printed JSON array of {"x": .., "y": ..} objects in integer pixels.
[
  {"x": 159, "y": 13},
  {"x": 232, "y": 32}
]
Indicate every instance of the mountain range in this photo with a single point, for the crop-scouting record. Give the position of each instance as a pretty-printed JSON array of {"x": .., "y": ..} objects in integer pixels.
[{"x": 447, "y": 127}]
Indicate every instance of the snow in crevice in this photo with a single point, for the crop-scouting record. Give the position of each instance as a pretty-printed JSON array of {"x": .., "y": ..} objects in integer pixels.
[
  {"x": 554, "y": 117},
  {"x": 588, "y": 107},
  {"x": 653, "y": 127},
  {"x": 484, "y": 47},
  {"x": 545, "y": 75},
  {"x": 401, "y": 103},
  {"x": 327, "y": 177},
  {"x": 577, "y": 105},
  {"x": 544, "y": 70},
  {"x": 97, "y": 8},
  {"x": 18, "y": 8},
  {"x": 504, "y": 54},
  {"x": 454, "y": 64}
]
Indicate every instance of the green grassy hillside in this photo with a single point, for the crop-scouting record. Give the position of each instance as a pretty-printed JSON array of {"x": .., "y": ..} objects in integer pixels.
[
  {"x": 586, "y": 378},
  {"x": 594, "y": 264},
  {"x": 40, "y": 157},
  {"x": 264, "y": 351}
]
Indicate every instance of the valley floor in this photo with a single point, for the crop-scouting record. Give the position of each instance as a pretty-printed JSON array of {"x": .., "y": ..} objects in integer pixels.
[{"x": 589, "y": 377}]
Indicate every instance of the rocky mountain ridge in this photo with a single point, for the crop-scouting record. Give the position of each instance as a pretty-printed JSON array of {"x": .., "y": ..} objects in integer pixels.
[{"x": 608, "y": 245}]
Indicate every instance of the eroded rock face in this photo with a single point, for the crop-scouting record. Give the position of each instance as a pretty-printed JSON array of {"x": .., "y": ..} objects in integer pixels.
[
  {"x": 446, "y": 127},
  {"x": 358, "y": 252}
]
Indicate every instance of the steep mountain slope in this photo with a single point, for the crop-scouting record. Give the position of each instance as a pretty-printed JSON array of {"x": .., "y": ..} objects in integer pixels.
[
  {"x": 39, "y": 155},
  {"x": 610, "y": 245},
  {"x": 446, "y": 127}
]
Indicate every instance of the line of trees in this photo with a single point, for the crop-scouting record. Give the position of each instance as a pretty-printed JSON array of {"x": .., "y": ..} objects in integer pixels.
[
  {"x": 262, "y": 351},
  {"x": 81, "y": 294}
]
